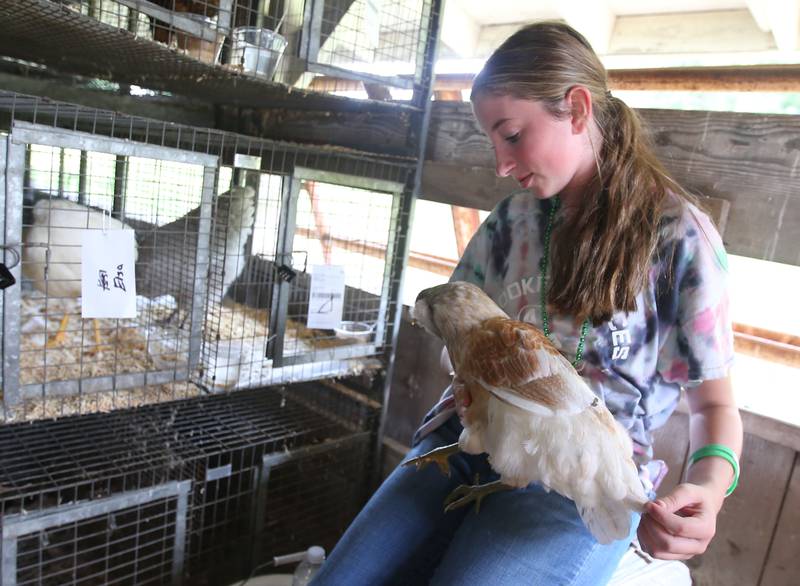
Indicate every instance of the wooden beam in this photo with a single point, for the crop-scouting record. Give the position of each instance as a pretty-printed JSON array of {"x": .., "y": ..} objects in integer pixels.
[
  {"x": 765, "y": 334},
  {"x": 760, "y": 78},
  {"x": 377, "y": 91},
  {"x": 365, "y": 131},
  {"x": 480, "y": 188},
  {"x": 753, "y": 78},
  {"x": 321, "y": 229},
  {"x": 465, "y": 223},
  {"x": 179, "y": 110},
  {"x": 750, "y": 78},
  {"x": 750, "y": 160},
  {"x": 448, "y": 96},
  {"x": 767, "y": 350},
  {"x": 783, "y": 563},
  {"x": 471, "y": 187},
  {"x": 427, "y": 262},
  {"x": 718, "y": 209}
]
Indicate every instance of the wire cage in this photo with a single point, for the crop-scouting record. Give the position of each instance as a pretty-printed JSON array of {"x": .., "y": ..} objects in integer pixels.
[
  {"x": 229, "y": 232},
  {"x": 363, "y": 39},
  {"x": 101, "y": 184},
  {"x": 231, "y": 49},
  {"x": 197, "y": 490}
]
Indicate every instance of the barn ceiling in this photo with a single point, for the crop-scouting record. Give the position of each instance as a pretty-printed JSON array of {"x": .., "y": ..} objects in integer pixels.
[{"x": 471, "y": 29}]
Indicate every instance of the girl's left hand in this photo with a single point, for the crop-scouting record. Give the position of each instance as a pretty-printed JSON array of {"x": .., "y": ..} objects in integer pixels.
[{"x": 681, "y": 524}]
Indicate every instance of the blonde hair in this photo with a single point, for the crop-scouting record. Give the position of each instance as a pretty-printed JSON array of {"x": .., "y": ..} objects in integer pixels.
[{"x": 600, "y": 254}]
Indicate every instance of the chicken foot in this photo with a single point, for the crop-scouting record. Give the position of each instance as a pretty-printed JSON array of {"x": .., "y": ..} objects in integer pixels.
[
  {"x": 438, "y": 456},
  {"x": 466, "y": 493},
  {"x": 60, "y": 336},
  {"x": 98, "y": 345}
]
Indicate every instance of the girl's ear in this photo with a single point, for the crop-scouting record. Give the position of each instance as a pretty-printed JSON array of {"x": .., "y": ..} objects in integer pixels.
[{"x": 579, "y": 103}]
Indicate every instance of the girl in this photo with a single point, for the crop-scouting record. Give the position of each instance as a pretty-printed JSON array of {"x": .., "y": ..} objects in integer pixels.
[{"x": 604, "y": 252}]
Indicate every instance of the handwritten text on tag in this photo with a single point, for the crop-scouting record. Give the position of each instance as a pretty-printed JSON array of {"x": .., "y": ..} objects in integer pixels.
[
  {"x": 326, "y": 299},
  {"x": 108, "y": 278}
]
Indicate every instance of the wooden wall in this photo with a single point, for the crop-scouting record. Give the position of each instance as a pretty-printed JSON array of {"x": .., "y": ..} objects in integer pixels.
[
  {"x": 758, "y": 531},
  {"x": 750, "y": 160}
]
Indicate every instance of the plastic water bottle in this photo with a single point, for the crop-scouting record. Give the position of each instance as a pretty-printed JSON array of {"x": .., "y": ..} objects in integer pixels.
[{"x": 310, "y": 565}]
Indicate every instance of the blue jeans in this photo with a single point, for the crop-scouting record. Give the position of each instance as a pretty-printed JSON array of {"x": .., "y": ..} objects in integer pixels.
[{"x": 526, "y": 536}]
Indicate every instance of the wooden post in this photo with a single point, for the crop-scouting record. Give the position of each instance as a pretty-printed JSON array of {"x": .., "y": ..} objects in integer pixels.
[{"x": 465, "y": 222}]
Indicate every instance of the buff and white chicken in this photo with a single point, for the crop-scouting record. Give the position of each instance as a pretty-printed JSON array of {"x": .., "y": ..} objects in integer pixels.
[{"x": 530, "y": 412}]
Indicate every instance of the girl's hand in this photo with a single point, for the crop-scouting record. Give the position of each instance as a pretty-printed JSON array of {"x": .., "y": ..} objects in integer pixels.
[
  {"x": 462, "y": 396},
  {"x": 681, "y": 524}
]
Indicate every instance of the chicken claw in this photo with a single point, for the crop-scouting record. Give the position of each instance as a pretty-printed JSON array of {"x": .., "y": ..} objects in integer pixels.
[
  {"x": 60, "y": 336},
  {"x": 439, "y": 456},
  {"x": 466, "y": 493}
]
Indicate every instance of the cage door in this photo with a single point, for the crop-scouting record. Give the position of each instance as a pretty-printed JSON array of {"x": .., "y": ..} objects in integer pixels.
[
  {"x": 131, "y": 538},
  {"x": 164, "y": 195},
  {"x": 336, "y": 252},
  {"x": 363, "y": 39}
]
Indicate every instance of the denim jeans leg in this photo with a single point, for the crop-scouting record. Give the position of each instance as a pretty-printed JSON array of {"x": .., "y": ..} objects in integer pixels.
[
  {"x": 402, "y": 532},
  {"x": 528, "y": 537}
]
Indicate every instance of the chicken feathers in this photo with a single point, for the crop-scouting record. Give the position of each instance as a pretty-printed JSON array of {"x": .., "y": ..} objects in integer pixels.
[{"x": 531, "y": 412}]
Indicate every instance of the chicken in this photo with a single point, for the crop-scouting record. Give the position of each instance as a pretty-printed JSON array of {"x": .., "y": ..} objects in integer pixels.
[
  {"x": 168, "y": 253},
  {"x": 51, "y": 252},
  {"x": 530, "y": 412},
  {"x": 199, "y": 10}
]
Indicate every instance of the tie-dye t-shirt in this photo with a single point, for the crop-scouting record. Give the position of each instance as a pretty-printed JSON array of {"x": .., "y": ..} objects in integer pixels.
[{"x": 679, "y": 335}]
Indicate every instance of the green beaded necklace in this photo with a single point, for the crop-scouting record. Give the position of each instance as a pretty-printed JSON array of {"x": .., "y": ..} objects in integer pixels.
[{"x": 543, "y": 285}]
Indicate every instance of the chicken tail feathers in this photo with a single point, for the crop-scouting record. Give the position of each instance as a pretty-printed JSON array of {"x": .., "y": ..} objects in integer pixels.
[{"x": 607, "y": 521}]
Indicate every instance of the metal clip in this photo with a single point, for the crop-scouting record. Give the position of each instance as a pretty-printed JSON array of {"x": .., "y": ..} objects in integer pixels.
[{"x": 286, "y": 273}]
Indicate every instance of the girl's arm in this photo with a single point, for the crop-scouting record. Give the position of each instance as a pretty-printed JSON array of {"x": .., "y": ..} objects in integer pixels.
[{"x": 681, "y": 524}]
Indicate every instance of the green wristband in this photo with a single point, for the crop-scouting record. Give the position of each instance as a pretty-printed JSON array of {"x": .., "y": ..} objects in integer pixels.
[{"x": 723, "y": 452}]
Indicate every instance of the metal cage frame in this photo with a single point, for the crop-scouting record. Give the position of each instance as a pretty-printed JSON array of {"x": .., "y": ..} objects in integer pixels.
[
  {"x": 40, "y": 120},
  {"x": 278, "y": 315},
  {"x": 311, "y": 48},
  {"x": 216, "y": 458},
  {"x": 24, "y": 133},
  {"x": 19, "y": 524}
]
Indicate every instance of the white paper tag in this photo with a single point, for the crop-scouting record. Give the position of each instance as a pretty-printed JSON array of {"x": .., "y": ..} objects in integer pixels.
[
  {"x": 108, "y": 280},
  {"x": 326, "y": 299}
]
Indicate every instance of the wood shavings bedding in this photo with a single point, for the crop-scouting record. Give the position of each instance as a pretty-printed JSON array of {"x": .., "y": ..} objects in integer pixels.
[
  {"x": 123, "y": 346},
  {"x": 99, "y": 402},
  {"x": 235, "y": 335}
]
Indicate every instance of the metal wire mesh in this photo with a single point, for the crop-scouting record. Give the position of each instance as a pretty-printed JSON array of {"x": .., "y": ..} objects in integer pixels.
[
  {"x": 370, "y": 37},
  {"x": 217, "y": 327},
  {"x": 202, "y": 483},
  {"x": 242, "y": 51},
  {"x": 96, "y": 549},
  {"x": 326, "y": 234},
  {"x": 155, "y": 198}
]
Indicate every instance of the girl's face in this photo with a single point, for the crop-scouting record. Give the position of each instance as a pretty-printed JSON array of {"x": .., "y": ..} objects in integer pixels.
[{"x": 545, "y": 154}]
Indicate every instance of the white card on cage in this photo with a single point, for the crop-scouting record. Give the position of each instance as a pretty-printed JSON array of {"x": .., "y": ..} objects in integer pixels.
[
  {"x": 326, "y": 299},
  {"x": 108, "y": 278}
]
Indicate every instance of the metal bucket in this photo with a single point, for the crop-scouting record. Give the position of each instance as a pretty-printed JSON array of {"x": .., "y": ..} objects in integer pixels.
[{"x": 257, "y": 50}]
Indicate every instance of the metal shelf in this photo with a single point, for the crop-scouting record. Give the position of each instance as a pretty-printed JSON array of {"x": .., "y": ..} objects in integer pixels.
[{"x": 65, "y": 40}]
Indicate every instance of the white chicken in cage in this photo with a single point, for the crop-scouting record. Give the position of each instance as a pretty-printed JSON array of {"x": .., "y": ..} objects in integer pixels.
[{"x": 51, "y": 253}]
